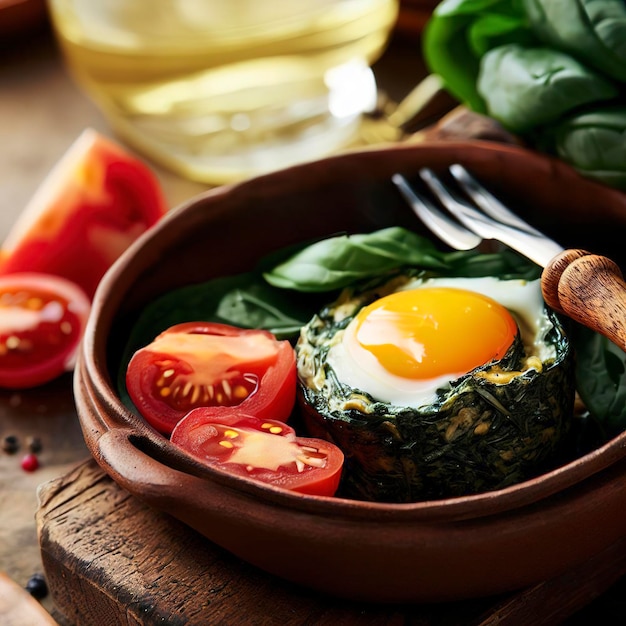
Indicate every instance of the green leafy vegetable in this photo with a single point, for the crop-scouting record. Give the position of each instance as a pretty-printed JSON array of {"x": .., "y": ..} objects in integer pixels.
[
  {"x": 594, "y": 143},
  {"x": 531, "y": 64},
  {"x": 243, "y": 300},
  {"x": 505, "y": 263},
  {"x": 601, "y": 379},
  {"x": 594, "y": 31},
  {"x": 460, "y": 32},
  {"x": 528, "y": 87},
  {"x": 340, "y": 261}
]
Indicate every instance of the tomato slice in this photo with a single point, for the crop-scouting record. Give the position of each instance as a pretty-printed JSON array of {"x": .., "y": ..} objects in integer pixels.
[
  {"x": 92, "y": 205},
  {"x": 42, "y": 320},
  {"x": 198, "y": 364},
  {"x": 263, "y": 449}
]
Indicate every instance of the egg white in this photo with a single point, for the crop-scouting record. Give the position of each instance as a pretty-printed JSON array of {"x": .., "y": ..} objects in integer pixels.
[{"x": 358, "y": 368}]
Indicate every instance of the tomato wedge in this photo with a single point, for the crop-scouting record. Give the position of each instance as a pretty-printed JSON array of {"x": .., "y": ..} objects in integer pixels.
[
  {"x": 198, "y": 364},
  {"x": 92, "y": 205},
  {"x": 263, "y": 449},
  {"x": 42, "y": 320}
]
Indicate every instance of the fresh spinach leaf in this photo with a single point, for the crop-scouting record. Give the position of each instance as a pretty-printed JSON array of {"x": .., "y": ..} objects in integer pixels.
[
  {"x": 593, "y": 31},
  {"x": 340, "y": 261},
  {"x": 244, "y": 300},
  {"x": 259, "y": 305},
  {"x": 531, "y": 64},
  {"x": 601, "y": 378},
  {"x": 525, "y": 88},
  {"x": 458, "y": 34},
  {"x": 594, "y": 143},
  {"x": 505, "y": 264}
]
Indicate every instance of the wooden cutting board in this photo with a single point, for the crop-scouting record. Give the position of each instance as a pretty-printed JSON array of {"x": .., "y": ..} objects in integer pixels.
[{"x": 109, "y": 559}]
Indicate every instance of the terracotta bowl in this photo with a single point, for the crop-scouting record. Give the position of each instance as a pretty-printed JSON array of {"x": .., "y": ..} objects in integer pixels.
[{"x": 428, "y": 551}]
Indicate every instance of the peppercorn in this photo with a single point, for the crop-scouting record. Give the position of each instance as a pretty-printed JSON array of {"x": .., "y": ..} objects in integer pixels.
[
  {"x": 10, "y": 444},
  {"x": 30, "y": 462},
  {"x": 37, "y": 586},
  {"x": 34, "y": 444}
]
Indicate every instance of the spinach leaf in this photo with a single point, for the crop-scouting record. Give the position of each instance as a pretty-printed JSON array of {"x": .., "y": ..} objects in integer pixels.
[
  {"x": 528, "y": 87},
  {"x": 458, "y": 34},
  {"x": 601, "y": 379},
  {"x": 532, "y": 63},
  {"x": 505, "y": 264},
  {"x": 594, "y": 143},
  {"x": 259, "y": 305},
  {"x": 244, "y": 300},
  {"x": 340, "y": 261},
  {"x": 593, "y": 31}
]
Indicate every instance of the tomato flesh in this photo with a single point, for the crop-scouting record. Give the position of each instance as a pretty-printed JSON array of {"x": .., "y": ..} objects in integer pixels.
[
  {"x": 42, "y": 320},
  {"x": 198, "y": 364},
  {"x": 94, "y": 203},
  {"x": 262, "y": 449}
]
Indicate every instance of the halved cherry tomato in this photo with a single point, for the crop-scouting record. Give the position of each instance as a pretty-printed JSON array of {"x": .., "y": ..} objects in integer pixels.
[
  {"x": 205, "y": 364},
  {"x": 92, "y": 205},
  {"x": 42, "y": 320},
  {"x": 263, "y": 449}
]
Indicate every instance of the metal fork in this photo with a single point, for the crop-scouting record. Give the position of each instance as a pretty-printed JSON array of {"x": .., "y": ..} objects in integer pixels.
[{"x": 587, "y": 287}]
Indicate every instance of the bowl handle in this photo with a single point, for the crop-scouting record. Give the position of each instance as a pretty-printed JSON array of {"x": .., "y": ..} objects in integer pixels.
[{"x": 121, "y": 454}]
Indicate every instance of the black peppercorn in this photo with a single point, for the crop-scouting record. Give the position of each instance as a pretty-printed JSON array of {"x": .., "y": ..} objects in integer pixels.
[
  {"x": 10, "y": 444},
  {"x": 34, "y": 444},
  {"x": 37, "y": 586}
]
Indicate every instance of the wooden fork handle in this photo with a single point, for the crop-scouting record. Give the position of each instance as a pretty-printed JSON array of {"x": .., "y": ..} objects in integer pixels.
[{"x": 590, "y": 289}]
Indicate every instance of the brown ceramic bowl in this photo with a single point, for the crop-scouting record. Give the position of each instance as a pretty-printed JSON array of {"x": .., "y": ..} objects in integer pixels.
[{"x": 428, "y": 551}]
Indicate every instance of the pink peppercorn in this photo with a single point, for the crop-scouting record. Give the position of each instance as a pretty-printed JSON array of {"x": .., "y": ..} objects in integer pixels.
[{"x": 30, "y": 462}]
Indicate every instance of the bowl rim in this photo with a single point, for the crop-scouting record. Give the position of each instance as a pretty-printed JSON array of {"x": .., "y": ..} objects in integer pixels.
[{"x": 522, "y": 494}]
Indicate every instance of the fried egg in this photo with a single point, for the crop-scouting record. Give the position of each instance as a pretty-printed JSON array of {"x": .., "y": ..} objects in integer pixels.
[{"x": 404, "y": 347}]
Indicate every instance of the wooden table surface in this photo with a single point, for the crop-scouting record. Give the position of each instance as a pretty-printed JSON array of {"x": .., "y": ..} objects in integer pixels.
[{"x": 41, "y": 113}]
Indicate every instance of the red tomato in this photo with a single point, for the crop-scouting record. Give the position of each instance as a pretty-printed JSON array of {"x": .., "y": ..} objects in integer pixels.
[
  {"x": 42, "y": 320},
  {"x": 204, "y": 364},
  {"x": 95, "y": 202},
  {"x": 263, "y": 449}
]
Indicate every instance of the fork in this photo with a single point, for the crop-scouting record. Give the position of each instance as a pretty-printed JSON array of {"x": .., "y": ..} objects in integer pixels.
[{"x": 586, "y": 287}]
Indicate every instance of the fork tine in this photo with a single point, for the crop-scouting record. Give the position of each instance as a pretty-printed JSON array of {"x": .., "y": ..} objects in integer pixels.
[
  {"x": 487, "y": 201},
  {"x": 527, "y": 240},
  {"x": 447, "y": 229},
  {"x": 468, "y": 214}
]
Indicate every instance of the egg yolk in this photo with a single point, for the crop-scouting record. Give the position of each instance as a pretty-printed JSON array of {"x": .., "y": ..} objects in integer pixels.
[{"x": 428, "y": 332}]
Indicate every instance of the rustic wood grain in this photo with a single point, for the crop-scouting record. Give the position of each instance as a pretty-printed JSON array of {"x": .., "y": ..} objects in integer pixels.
[{"x": 590, "y": 289}]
